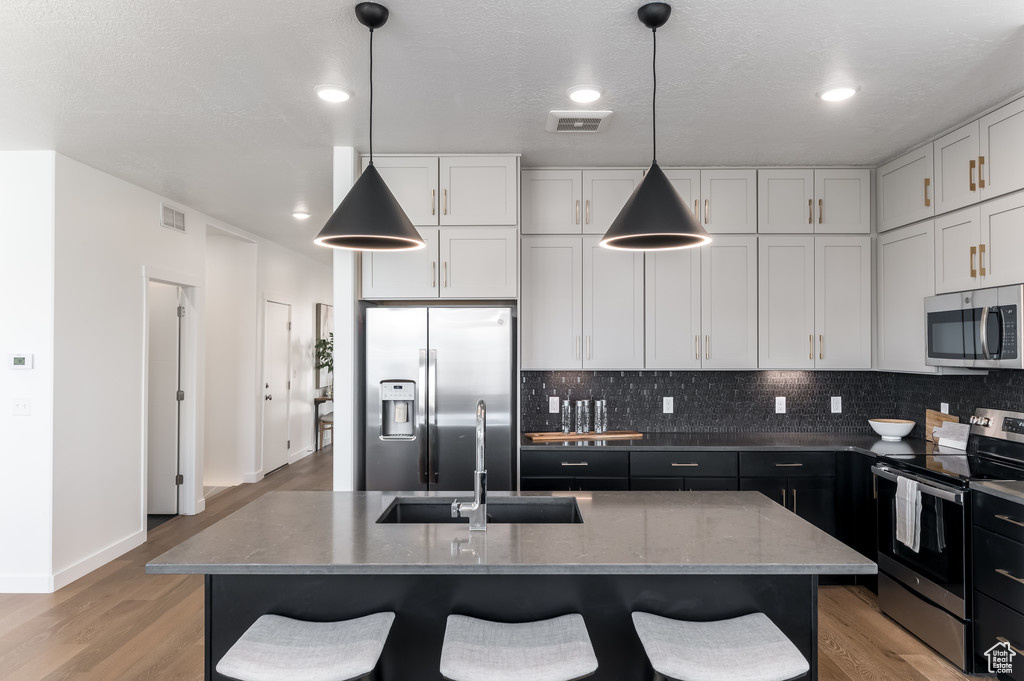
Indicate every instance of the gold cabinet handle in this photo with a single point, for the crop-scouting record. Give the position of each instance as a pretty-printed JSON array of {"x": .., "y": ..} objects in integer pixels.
[
  {"x": 1006, "y": 574},
  {"x": 707, "y": 210},
  {"x": 696, "y": 347},
  {"x": 446, "y": 274},
  {"x": 1003, "y": 639},
  {"x": 588, "y": 348},
  {"x": 794, "y": 500},
  {"x": 696, "y": 209},
  {"x": 1010, "y": 520},
  {"x": 970, "y": 175},
  {"x": 821, "y": 346},
  {"x": 821, "y": 211},
  {"x": 588, "y": 211},
  {"x": 974, "y": 252},
  {"x": 981, "y": 260},
  {"x": 810, "y": 211},
  {"x": 784, "y": 497},
  {"x": 433, "y": 202},
  {"x": 444, "y": 194},
  {"x": 578, "y": 347},
  {"x": 927, "y": 183},
  {"x": 577, "y": 211},
  {"x": 707, "y": 347},
  {"x": 810, "y": 338},
  {"x": 433, "y": 274},
  {"x": 981, "y": 172}
]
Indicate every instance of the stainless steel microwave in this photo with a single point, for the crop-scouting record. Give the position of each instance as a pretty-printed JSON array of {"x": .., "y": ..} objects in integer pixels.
[{"x": 975, "y": 329}]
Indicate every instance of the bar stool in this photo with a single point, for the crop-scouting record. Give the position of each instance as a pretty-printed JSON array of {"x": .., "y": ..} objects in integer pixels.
[
  {"x": 326, "y": 424},
  {"x": 557, "y": 649},
  {"x": 748, "y": 648},
  {"x": 279, "y": 648}
]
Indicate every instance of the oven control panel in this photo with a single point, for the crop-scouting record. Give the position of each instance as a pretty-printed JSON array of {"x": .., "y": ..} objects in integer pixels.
[
  {"x": 1013, "y": 425},
  {"x": 998, "y": 424}
]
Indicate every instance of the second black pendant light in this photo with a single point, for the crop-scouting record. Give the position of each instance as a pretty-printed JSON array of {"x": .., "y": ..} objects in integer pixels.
[{"x": 655, "y": 218}]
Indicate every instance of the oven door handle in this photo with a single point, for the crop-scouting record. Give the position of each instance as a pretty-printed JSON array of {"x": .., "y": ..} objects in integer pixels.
[{"x": 948, "y": 494}]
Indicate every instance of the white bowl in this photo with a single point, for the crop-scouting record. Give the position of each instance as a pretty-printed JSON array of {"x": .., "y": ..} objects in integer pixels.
[{"x": 891, "y": 430}]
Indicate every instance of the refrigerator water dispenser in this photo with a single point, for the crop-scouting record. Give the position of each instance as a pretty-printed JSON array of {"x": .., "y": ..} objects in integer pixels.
[{"x": 397, "y": 410}]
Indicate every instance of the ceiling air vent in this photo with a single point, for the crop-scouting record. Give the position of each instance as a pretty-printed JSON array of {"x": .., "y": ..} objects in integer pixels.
[
  {"x": 577, "y": 121},
  {"x": 172, "y": 218}
]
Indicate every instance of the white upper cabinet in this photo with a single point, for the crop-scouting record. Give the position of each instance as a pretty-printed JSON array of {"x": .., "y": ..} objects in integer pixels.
[
  {"x": 1001, "y": 161},
  {"x": 956, "y": 168},
  {"x": 551, "y": 306},
  {"x": 687, "y": 183},
  {"x": 479, "y": 190},
  {"x": 1001, "y": 247},
  {"x": 906, "y": 276},
  {"x": 604, "y": 194},
  {"x": 786, "y": 302},
  {"x": 403, "y": 274},
  {"x": 478, "y": 262},
  {"x": 613, "y": 307},
  {"x": 729, "y": 201},
  {"x": 672, "y": 301},
  {"x": 413, "y": 181},
  {"x": 813, "y": 201},
  {"x": 957, "y": 237},
  {"x": 552, "y": 202},
  {"x": 842, "y": 201},
  {"x": 904, "y": 193},
  {"x": 785, "y": 201},
  {"x": 729, "y": 303},
  {"x": 842, "y": 308}
]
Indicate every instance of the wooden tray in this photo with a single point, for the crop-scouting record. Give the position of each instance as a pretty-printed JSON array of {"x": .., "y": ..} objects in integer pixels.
[
  {"x": 934, "y": 419},
  {"x": 563, "y": 437}
]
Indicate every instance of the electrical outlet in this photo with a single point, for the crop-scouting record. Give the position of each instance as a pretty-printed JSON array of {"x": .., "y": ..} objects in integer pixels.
[
  {"x": 837, "y": 404},
  {"x": 944, "y": 407},
  {"x": 552, "y": 405},
  {"x": 22, "y": 406},
  {"x": 667, "y": 406},
  {"x": 780, "y": 405}
]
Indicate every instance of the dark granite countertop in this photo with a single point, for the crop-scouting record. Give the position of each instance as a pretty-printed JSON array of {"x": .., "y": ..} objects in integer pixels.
[
  {"x": 1011, "y": 490},
  {"x": 622, "y": 533}
]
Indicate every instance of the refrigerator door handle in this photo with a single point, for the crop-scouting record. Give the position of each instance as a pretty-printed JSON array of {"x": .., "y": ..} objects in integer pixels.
[
  {"x": 421, "y": 420},
  {"x": 432, "y": 457}
]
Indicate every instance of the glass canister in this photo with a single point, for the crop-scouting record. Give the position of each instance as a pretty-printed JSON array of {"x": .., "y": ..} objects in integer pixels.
[
  {"x": 600, "y": 416},
  {"x": 582, "y": 416},
  {"x": 566, "y": 417}
]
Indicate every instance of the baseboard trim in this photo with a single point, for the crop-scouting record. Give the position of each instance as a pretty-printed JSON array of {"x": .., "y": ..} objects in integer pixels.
[
  {"x": 297, "y": 456},
  {"x": 26, "y": 584},
  {"x": 252, "y": 477},
  {"x": 98, "y": 559}
]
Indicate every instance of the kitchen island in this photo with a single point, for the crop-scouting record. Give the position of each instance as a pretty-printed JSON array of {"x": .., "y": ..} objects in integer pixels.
[{"x": 695, "y": 555}]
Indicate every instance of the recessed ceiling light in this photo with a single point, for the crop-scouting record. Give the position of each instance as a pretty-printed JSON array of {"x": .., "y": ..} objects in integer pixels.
[
  {"x": 333, "y": 93},
  {"x": 301, "y": 215},
  {"x": 585, "y": 94},
  {"x": 838, "y": 93}
]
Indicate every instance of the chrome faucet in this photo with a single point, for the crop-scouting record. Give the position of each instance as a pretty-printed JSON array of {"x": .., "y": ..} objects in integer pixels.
[{"x": 477, "y": 510}]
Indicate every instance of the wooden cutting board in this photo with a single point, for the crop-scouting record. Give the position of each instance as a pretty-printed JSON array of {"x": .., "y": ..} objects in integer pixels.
[
  {"x": 934, "y": 419},
  {"x": 564, "y": 437}
]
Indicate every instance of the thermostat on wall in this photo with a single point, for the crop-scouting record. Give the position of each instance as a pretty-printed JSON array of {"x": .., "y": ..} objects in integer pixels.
[{"x": 20, "y": 361}]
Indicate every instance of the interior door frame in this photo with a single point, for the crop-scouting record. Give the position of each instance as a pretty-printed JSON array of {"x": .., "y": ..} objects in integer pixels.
[{"x": 262, "y": 373}]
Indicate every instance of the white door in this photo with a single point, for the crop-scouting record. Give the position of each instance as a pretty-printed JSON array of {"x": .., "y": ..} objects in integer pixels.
[
  {"x": 478, "y": 262},
  {"x": 906, "y": 276},
  {"x": 842, "y": 308},
  {"x": 551, "y": 304},
  {"x": 552, "y": 201},
  {"x": 729, "y": 302},
  {"x": 479, "y": 190},
  {"x": 785, "y": 201},
  {"x": 729, "y": 200},
  {"x": 404, "y": 274},
  {"x": 905, "y": 189},
  {"x": 604, "y": 194},
  {"x": 1002, "y": 150},
  {"x": 785, "y": 302},
  {"x": 672, "y": 302},
  {"x": 413, "y": 181},
  {"x": 687, "y": 183},
  {"x": 613, "y": 307},
  {"x": 842, "y": 201},
  {"x": 956, "y": 168},
  {"x": 163, "y": 432},
  {"x": 1001, "y": 251},
  {"x": 276, "y": 388},
  {"x": 957, "y": 236}
]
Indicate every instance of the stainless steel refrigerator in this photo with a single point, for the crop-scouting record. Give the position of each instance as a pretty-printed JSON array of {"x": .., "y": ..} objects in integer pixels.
[{"x": 426, "y": 368}]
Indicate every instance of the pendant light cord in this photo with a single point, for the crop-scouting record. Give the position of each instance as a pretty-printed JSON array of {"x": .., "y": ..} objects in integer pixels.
[
  {"x": 654, "y": 97},
  {"x": 371, "y": 96}
]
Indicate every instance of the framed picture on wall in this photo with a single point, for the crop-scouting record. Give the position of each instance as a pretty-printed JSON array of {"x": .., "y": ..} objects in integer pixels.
[{"x": 324, "y": 344}]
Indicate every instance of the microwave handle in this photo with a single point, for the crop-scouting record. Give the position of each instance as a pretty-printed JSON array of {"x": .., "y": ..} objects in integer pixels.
[{"x": 983, "y": 332}]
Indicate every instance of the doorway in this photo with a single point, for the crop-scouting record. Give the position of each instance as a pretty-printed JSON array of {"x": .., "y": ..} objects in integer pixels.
[
  {"x": 276, "y": 385},
  {"x": 163, "y": 479}
]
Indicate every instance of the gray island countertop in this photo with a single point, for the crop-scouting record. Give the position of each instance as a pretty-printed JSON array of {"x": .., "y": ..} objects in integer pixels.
[{"x": 739, "y": 533}]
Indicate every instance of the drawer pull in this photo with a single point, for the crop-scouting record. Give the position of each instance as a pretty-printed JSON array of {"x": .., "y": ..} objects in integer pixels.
[
  {"x": 581, "y": 463},
  {"x": 788, "y": 465},
  {"x": 1003, "y": 639},
  {"x": 1010, "y": 520},
  {"x": 1004, "y": 573},
  {"x": 686, "y": 465}
]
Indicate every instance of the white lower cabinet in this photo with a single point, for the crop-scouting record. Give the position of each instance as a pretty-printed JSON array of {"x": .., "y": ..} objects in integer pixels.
[{"x": 906, "y": 276}]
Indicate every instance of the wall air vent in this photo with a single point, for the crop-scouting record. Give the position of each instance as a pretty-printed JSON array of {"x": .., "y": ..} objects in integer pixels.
[
  {"x": 577, "y": 121},
  {"x": 172, "y": 218}
]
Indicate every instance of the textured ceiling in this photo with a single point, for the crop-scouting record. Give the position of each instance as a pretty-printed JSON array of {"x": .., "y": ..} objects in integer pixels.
[{"x": 211, "y": 103}]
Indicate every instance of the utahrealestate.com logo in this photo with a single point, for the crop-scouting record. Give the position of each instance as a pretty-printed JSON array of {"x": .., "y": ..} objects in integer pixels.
[{"x": 1000, "y": 658}]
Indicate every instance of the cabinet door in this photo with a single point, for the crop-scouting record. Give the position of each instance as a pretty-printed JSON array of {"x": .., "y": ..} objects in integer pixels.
[
  {"x": 546, "y": 484},
  {"x": 711, "y": 484},
  {"x": 479, "y": 190},
  {"x": 672, "y": 302},
  {"x": 687, "y": 183},
  {"x": 551, "y": 304},
  {"x": 729, "y": 200},
  {"x": 785, "y": 201},
  {"x": 604, "y": 194},
  {"x": 613, "y": 307},
  {"x": 842, "y": 201},
  {"x": 904, "y": 189},
  {"x": 413, "y": 181},
  {"x": 956, "y": 168},
  {"x": 729, "y": 303},
  {"x": 773, "y": 488},
  {"x": 478, "y": 262},
  {"x": 957, "y": 234},
  {"x": 785, "y": 273},
  {"x": 1002, "y": 150},
  {"x": 1002, "y": 238},
  {"x": 403, "y": 274},
  {"x": 552, "y": 202},
  {"x": 842, "y": 308},
  {"x": 814, "y": 500},
  {"x": 906, "y": 276}
]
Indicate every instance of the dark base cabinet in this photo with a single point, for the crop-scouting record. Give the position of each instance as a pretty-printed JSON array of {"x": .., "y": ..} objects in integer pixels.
[
  {"x": 998, "y": 583},
  {"x": 813, "y": 499},
  {"x": 544, "y": 471},
  {"x": 577, "y": 484},
  {"x": 685, "y": 484},
  {"x": 857, "y": 524}
]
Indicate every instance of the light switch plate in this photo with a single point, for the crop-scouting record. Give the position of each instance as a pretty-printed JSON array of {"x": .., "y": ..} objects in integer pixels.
[
  {"x": 666, "y": 405},
  {"x": 552, "y": 405},
  {"x": 780, "y": 405},
  {"x": 837, "y": 404}
]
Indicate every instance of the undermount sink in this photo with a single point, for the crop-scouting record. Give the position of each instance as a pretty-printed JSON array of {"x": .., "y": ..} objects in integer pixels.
[{"x": 499, "y": 510}]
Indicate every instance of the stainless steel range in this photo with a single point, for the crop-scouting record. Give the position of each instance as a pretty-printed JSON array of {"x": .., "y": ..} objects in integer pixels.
[{"x": 928, "y": 588}]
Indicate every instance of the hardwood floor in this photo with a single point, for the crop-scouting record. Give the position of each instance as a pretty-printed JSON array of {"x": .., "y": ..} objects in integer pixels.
[{"x": 118, "y": 623}]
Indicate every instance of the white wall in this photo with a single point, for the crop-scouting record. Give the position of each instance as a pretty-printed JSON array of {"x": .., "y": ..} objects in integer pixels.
[
  {"x": 348, "y": 334},
  {"x": 26, "y": 325}
]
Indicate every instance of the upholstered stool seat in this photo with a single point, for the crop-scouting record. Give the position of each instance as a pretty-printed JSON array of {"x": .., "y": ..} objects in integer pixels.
[
  {"x": 278, "y": 648},
  {"x": 748, "y": 648},
  {"x": 557, "y": 649}
]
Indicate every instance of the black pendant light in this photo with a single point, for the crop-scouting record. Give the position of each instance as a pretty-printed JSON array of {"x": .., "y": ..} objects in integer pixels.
[
  {"x": 655, "y": 218},
  {"x": 369, "y": 217}
]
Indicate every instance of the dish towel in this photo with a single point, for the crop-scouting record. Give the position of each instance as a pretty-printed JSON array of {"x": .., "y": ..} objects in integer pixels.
[{"x": 908, "y": 513}]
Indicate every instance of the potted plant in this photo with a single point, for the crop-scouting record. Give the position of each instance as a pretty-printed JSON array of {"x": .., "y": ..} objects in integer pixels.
[{"x": 324, "y": 349}]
